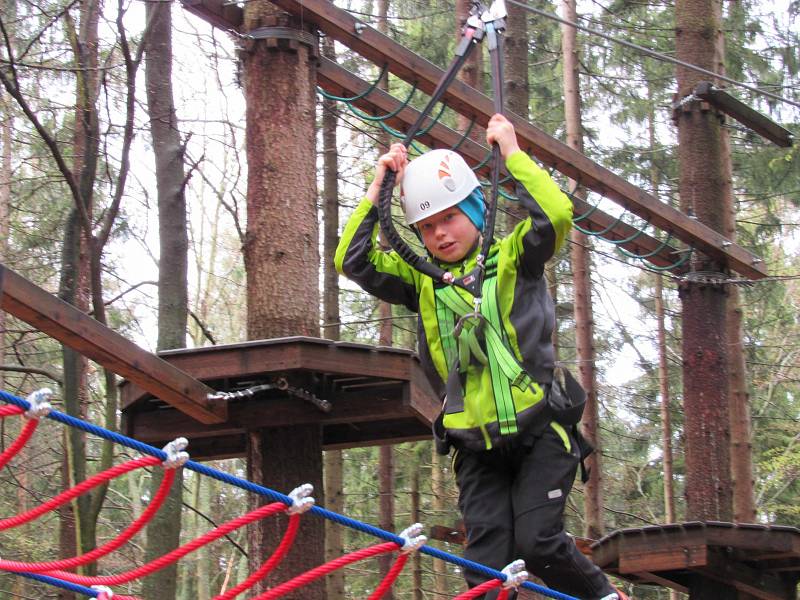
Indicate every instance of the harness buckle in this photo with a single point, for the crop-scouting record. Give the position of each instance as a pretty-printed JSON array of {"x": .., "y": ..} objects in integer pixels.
[{"x": 476, "y": 315}]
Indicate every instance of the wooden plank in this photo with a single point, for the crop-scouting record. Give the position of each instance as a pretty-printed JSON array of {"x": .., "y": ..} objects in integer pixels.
[
  {"x": 370, "y": 43},
  {"x": 75, "y": 329},
  {"x": 341, "y": 82},
  {"x": 262, "y": 358},
  {"x": 685, "y": 556}
]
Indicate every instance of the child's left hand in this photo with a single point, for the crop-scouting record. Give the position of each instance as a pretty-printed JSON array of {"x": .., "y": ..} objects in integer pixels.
[{"x": 501, "y": 131}]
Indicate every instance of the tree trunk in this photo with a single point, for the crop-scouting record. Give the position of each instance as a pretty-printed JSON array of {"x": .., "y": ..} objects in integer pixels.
[
  {"x": 744, "y": 508},
  {"x": 440, "y": 588},
  {"x": 666, "y": 419},
  {"x": 281, "y": 258},
  {"x": 663, "y": 365},
  {"x": 333, "y": 467},
  {"x": 76, "y": 529},
  {"x": 416, "y": 563},
  {"x": 582, "y": 282},
  {"x": 705, "y": 343},
  {"x": 165, "y": 528},
  {"x": 6, "y": 127}
]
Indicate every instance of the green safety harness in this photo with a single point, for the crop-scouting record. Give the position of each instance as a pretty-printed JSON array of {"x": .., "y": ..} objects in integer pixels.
[{"x": 473, "y": 335}]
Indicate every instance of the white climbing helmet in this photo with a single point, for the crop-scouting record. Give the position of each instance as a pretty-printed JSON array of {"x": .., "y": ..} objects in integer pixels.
[{"x": 434, "y": 181}]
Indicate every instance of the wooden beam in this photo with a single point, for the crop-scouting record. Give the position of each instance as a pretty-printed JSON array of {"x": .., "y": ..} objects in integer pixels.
[
  {"x": 357, "y": 35},
  {"x": 68, "y": 325},
  {"x": 338, "y": 81},
  {"x": 746, "y": 115}
]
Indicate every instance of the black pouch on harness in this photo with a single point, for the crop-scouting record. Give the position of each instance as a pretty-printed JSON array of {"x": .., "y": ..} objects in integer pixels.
[{"x": 566, "y": 398}]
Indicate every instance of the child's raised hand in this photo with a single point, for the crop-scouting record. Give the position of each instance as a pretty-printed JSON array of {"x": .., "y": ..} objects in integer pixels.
[
  {"x": 501, "y": 131},
  {"x": 396, "y": 160}
]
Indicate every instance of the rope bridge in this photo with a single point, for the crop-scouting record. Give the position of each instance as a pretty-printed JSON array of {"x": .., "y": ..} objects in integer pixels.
[{"x": 173, "y": 457}]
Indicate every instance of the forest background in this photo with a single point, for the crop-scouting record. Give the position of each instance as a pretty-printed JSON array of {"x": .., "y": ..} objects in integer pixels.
[{"x": 78, "y": 154}]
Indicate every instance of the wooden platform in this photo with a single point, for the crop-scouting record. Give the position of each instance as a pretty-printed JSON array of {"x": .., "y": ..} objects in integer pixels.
[
  {"x": 707, "y": 559},
  {"x": 377, "y": 395}
]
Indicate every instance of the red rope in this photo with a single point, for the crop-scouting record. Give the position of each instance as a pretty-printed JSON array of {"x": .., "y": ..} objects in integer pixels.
[
  {"x": 503, "y": 595},
  {"x": 177, "y": 554},
  {"x": 337, "y": 563},
  {"x": 271, "y": 563},
  {"x": 20, "y": 442},
  {"x": 79, "y": 489},
  {"x": 390, "y": 578},
  {"x": 133, "y": 529},
  {"x": 9, "y": 409},
  {"x": 481, "y": 589}
]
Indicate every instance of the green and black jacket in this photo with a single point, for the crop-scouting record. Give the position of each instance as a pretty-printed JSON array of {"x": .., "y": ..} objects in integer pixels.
[{"x": 524, "y": 307}]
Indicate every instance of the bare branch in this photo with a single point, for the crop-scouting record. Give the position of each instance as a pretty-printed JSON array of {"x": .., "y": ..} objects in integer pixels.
[{"x": 33, "y": 370}]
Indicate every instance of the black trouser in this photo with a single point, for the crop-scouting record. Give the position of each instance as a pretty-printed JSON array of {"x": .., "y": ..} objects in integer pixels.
[{"x": 512, "y": 500}]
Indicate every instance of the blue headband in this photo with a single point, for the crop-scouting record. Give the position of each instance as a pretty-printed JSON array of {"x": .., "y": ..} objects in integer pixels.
[{"x": 473, "y": 207}]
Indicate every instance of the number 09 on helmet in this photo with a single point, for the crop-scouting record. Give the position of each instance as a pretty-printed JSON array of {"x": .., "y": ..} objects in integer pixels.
[{"x": 433, "y": 182}]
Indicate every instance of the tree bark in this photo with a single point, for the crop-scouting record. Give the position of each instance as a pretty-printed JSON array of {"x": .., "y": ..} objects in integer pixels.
[
  {"x": 440, "y": 588},
  {"x": 333, "y": 467},
  {"x": 705, "y": 340},
  {"x": 281, "y": 257},
  {"x": 76, "y": 529},
  {"x": 165, "y": 528},
  {"x": 6, "y": 127},
  {"x": 582, "y": 282},
  {"x": 744, "y": 506}
]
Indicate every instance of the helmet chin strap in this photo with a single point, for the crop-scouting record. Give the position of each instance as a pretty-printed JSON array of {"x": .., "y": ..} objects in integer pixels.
[{"x": 483, "y": 21}]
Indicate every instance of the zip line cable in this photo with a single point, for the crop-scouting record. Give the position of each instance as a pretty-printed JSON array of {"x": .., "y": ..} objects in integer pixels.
[{"x": 651, "y": 53}]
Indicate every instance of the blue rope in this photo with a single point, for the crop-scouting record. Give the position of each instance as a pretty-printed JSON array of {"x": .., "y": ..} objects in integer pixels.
[
  {"x": 277, "y": 496},
  {"x": 66, "y": 585}
]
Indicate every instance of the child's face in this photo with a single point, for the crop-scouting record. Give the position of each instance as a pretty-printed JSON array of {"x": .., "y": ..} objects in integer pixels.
[{"x": 448, "y": 235}]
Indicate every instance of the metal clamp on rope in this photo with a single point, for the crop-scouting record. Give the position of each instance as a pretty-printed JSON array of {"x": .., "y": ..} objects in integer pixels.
[
  {"x": 176, "y": 457},
  {"x": 103, "y": 592},
  {"x": 39, "y": 403},
  {"x": 515, "y": 574},
  {"x": 301, "y": 499},
  {"x": 412, "y": 538}
]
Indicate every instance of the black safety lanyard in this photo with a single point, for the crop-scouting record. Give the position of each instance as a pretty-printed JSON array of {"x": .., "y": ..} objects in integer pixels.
[{"x": 473, "y": 34}]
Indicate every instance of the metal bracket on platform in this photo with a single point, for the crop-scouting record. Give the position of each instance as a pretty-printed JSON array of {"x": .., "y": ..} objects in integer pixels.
[{"x": 290, "y": 34}]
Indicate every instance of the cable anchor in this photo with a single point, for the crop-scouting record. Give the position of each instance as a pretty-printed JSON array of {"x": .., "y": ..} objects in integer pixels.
[
  {"x": 39, "y": 403},
  {"x": 176, "y": 457}
]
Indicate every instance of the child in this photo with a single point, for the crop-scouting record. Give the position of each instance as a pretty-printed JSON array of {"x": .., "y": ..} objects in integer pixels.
[{"x": 514, "y": 465}]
